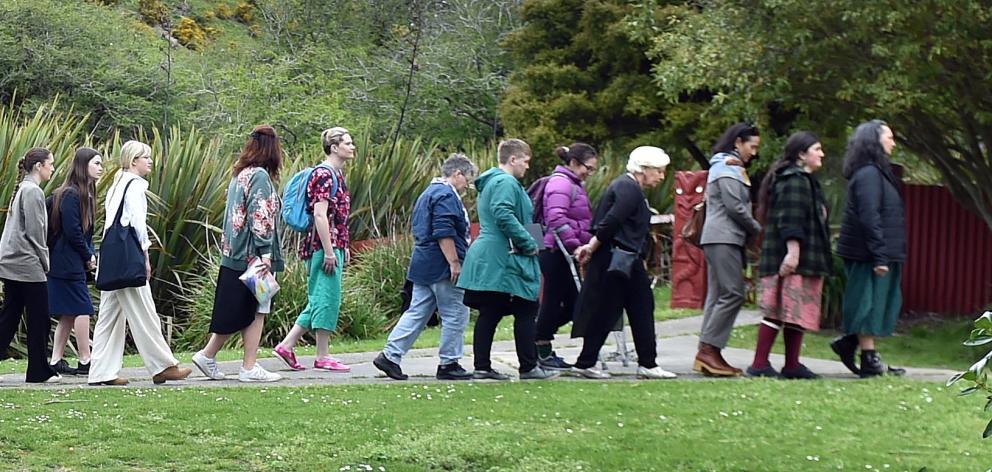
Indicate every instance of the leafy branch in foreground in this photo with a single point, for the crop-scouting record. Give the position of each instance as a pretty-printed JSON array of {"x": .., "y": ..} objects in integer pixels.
[{"x": 978, "y": 374}]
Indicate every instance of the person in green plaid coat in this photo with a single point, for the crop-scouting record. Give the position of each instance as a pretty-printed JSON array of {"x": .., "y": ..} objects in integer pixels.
[{"x": 795, "y": 254}]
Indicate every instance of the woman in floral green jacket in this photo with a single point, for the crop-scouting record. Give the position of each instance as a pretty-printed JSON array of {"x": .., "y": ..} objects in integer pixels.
[{"x": 251, "y": 221}]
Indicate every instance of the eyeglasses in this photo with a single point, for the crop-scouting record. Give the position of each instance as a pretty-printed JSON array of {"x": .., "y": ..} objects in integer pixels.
[{"x": 591, "y": 169}]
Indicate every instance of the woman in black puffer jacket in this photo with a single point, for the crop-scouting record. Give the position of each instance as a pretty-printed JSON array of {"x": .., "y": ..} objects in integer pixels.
[{"x": 873, "y": 245}]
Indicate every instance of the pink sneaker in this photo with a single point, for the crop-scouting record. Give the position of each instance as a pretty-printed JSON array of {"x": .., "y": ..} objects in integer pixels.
[
  {"x": 287, "y": 357},
  {"x": 331, "y": 364}
]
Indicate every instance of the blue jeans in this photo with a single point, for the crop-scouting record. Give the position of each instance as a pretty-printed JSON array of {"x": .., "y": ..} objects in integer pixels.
[{"x": 447, "y": 299}]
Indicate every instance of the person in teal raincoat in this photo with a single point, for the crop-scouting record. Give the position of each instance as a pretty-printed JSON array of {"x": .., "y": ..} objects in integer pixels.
[{"x": 501, "y": 275}]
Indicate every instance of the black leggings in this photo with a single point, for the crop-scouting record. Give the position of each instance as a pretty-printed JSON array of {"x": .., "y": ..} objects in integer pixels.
[
  {"x": 34, "y": 297},
  {"x": 558, "y": 301},
  {"x": 493, "y": 306}
]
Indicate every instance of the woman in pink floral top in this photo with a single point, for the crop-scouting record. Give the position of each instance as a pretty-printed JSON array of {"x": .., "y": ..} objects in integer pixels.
[
  {"x": 326, "y": 250},
  {"x": 251, "y": 222}
]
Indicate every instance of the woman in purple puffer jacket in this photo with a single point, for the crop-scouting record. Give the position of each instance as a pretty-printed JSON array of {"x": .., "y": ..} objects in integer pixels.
[{"x": 567, "y": 216}]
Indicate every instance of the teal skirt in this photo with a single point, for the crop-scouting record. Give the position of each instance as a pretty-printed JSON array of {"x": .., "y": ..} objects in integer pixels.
[{"x": 871, "y": 303}]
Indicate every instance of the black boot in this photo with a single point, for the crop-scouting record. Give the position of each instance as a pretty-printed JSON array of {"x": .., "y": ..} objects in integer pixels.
[
  {"x": 846, "y": 347},
  {"x": 871, "y": 364}
]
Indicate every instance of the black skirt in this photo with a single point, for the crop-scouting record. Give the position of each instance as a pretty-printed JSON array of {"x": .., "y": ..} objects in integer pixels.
[{"x": 235, "y": 306}]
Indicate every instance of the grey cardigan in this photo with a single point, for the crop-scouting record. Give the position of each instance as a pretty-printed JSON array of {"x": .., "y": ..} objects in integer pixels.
[
  {"x": 24, "y": 246},
  {"x": 728, "y": 213}
]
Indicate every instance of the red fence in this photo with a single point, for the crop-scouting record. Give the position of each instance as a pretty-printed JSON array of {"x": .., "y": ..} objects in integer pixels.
[{"x": 949, "y": 260}]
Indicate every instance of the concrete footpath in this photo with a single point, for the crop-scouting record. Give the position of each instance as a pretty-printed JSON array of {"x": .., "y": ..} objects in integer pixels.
[{"x": 677, "y": 340}]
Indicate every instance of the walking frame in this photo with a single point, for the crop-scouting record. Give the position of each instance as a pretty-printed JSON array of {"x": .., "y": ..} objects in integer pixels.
[{"x": 619, "y": 335}]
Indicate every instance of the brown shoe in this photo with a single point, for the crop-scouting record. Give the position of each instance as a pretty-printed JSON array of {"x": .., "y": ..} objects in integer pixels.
[
  {"x": 710, "y": 362},
  {"x": 118, "y": 382},
  {"x": 171, "y": 373}
]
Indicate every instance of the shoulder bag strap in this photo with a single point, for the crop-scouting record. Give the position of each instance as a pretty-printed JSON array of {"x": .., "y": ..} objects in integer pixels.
[{"x": 120, "y": 208}]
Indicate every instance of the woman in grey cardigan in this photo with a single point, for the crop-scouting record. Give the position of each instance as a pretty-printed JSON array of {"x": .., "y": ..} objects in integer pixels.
[
  {"x": 728, "y": 228},
  {"x": 24, "y": 263}
]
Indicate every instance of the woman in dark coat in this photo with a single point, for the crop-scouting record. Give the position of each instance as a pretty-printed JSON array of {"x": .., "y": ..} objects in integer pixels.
[
  {"x": 621, "y": 227},
  {"x": 795, "y": 254},
  {"x": 873, "y": 245},
  {"x": 70, "y": 230}
]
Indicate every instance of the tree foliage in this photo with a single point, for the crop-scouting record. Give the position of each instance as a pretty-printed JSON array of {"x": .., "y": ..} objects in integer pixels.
[
  {"x": 99, "y": 64},
  {"x": 580, "y": 75},
  {"x": 924, "y": 67},
  {"x": 223, "y": 66}
]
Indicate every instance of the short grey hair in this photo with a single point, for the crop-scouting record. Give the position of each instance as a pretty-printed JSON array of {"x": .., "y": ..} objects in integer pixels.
[{"x": 458, "y": 163}]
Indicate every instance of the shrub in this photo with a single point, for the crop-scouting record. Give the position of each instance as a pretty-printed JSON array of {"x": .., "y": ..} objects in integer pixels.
[
  {"x": 977, "y": 376},
  {"x": 189, "y": 33},
  {"x": 245, "y": 13},
  {"x": 372, "y": 288},
  {"x": 224, "y": 11},
  {"x": 153, "y": 12},
  {"x": 370, "y": 305}
]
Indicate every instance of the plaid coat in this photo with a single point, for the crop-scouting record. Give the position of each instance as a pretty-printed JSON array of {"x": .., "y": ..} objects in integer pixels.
[{"x": 797, "y": 211}]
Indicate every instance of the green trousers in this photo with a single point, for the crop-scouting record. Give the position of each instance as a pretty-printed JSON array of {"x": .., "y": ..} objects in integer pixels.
[
  {"x": 323, "y": 294},
  {"x": 871, "y": 303}
]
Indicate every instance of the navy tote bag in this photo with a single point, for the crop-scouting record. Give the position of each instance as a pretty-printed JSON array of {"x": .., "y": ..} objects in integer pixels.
[{"x": 122, "y": 261}]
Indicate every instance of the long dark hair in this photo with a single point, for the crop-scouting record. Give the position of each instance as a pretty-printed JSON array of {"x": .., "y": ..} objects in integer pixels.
[
  {"x": 85, "y": 187},
  {"x": 865, "y": 147},
  {"x": 262, "y": 150},
  {"x": 579, "y": 152},
  {"x": 34, "y": 156},
  {"x": 797, "y": 144},
  {"x": 728, "y": 140}
]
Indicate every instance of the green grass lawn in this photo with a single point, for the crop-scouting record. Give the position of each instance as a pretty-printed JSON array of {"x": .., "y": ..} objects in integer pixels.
[
  {"x": 430, "y": 338},
  {"x": 744, "y": 425},
  {"x": 923, "y": 345},
  {"x": 662, "y": 306}
]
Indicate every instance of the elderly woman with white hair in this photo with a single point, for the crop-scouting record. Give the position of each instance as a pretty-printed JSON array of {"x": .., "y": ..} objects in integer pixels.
[
  {"x": 126, "y": 202},
  {"x": 616, "y": 278}
]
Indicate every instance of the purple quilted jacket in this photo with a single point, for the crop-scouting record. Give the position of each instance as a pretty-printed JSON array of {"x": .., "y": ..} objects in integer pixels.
[{"x": 561, "y": 210}]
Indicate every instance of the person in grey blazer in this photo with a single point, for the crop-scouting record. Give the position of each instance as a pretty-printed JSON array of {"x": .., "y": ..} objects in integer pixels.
[
  {"x": 728, "y": 228},
  {"x": 24, "y": 263}
]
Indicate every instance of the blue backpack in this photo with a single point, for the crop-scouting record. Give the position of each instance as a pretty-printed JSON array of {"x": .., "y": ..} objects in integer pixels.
[{"x": 294, "y": 199}]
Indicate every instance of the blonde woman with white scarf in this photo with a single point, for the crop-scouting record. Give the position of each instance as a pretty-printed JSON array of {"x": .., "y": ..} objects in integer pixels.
[{"x": 131, "y": 306}]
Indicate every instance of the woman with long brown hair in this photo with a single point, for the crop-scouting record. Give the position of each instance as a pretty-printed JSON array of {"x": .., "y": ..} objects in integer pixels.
[
  {"x": 24, "y": 262},
  {"x": 72, "y": 214},
  {"x": 251, "y": 222},
  {"x": 795, "y": 254}
]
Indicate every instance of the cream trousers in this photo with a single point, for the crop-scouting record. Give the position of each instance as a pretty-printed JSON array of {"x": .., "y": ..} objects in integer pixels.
[{"x": 135, "y": 307}]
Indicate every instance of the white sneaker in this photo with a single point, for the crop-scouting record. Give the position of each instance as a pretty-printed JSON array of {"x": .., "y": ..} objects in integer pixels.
[
  {"x": 57, "y": 378},
  {"x": 655, "y": 372},
  {"x": 208, "y": 366},
  {"x": 590, "y": 373},
  {"x": 257, "y": 374}
]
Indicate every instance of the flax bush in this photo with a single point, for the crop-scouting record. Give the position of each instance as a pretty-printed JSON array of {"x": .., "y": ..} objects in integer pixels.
[{"x": 371, "y": 296}]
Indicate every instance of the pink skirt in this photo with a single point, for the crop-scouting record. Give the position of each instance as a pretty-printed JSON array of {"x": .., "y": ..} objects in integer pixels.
[{"x": 798, "y": 303}]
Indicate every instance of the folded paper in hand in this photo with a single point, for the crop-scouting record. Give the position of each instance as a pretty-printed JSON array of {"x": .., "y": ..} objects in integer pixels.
[{"x": 264, "y": 287}]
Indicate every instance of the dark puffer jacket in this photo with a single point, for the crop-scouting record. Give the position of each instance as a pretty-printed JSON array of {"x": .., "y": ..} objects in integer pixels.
[{"x": 874, "y": 224}]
